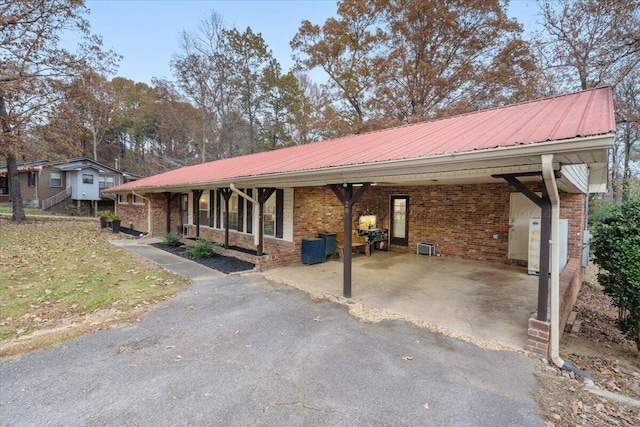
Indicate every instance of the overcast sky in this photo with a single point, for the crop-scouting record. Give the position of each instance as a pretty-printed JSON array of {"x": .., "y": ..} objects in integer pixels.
[{"x": 145, "y": 32}]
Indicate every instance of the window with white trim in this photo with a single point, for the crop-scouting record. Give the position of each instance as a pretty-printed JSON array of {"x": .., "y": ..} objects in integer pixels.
[
  {"x": 233, "y": 212},
  {"x": 123, "y": 199},
  {"x": 203, "y": 205},
  {"x": 273, "y": 214},
  {"x": 269, "y": 216},
  {"x": 136, "y": 200},
  {"x": 32, "y": 179},
  {"x": 105, "y": 181},
  {"x": 241, "y": 212},
  {"x": 55, "y": 179}
]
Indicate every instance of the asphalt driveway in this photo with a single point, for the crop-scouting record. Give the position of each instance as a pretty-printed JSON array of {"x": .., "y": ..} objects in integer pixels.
[{"x": 237, "y": 351}]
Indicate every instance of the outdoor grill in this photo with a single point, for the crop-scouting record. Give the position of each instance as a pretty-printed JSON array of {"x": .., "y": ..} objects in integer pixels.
[{"x": 368, "y": 228}]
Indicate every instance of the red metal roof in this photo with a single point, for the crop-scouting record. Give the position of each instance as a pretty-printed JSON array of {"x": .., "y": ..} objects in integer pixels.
[{"x": 580, "y": 114}]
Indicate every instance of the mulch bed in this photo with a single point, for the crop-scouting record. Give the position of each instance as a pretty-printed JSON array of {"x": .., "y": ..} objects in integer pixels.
[
  {"x": 236, "y": 248},
  {"x": 225, "y": 264},
  {"x": 131, "y": 232}
]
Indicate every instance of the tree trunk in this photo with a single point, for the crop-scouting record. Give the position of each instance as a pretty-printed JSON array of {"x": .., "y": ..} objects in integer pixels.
[
  {"x": 626, "y": 174},
  {"x": 12, "y": 168},
  {"x": 15, "y": 193},
  {"x": 95, "y": 143}
]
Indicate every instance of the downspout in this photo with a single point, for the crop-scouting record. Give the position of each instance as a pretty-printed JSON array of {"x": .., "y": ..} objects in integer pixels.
[
  {"x": 148, "y": 210},
  {"x": 256, "y": 211},
  {"x": 552, "y": 189}
]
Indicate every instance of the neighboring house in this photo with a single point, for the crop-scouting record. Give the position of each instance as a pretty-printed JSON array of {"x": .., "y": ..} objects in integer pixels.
[
  {"x": 467, "y": 184},
  {"x": 62, "y": 187}
]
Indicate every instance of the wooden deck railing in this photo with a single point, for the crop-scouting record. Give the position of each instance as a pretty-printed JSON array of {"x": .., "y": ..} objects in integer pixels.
[{"x": 56, "y": 198}]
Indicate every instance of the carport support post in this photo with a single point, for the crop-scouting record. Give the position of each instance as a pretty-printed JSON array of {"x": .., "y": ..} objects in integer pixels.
[
  {"x": 348, "y": 199},
  {"x": 545, "y": 237},
  {"x": 226, "y": 195},
  {"x": 167, "y": 196},
  {"x": 196, "y": 209}
]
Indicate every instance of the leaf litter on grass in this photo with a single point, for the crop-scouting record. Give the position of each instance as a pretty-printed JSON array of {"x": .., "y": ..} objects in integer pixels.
[
  {"x": 600, "y": 349},
  {"x": 65, "y": 272}
]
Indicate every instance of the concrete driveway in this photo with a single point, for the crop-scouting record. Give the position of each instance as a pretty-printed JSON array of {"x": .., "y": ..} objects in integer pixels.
[
  {"x": 237, "y": 351},
  {"x": 484, "y": 301}
]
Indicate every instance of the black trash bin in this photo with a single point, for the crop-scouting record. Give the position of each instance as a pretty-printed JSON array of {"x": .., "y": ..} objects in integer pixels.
[{"x": 313, "y": 251}]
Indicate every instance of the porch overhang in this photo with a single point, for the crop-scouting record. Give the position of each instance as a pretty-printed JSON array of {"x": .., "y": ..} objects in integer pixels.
[{"x": 471, "y": 167}]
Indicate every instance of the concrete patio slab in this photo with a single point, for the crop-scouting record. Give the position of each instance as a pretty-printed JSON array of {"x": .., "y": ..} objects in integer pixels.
[{"x": 483, "y": 300}]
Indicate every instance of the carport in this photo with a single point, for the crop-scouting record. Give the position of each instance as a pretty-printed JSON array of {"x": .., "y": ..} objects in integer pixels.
[
  {"x": 453, "y": 167},
  {"x": 483, "y": 301}
]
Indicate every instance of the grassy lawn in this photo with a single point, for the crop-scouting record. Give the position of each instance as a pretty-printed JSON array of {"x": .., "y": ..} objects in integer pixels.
[
  {"x": 55, "y": 273},
  {"x": 7, "y": 208}
]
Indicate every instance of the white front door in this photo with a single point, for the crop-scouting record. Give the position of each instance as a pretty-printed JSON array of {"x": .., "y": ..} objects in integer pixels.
[{"x": 521, "y": 210}]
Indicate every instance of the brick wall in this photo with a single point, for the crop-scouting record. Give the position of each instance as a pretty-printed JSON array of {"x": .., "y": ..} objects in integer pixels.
[
  {"x": 159, "y": 213},
  {"x": 136, "y": 214},
  {"x": 572, "y": 207},
  {"x": 28, "y": 193},
  {"x": 461, "y": 220},
  {"x": 45, "y": 189},
  {"x": 539, "y": 332}
]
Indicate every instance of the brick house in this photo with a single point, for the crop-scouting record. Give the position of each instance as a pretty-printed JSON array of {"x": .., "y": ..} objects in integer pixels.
[
  {"x": 63, "y": 186},
  {"x": 469, "y": 185}
]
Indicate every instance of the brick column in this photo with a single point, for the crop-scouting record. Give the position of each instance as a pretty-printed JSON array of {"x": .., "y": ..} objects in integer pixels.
[{"x": 538, "y": 336}]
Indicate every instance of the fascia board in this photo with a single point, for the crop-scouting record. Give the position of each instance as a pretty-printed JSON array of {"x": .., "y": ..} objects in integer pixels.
[{"x": 483, "y": 159}]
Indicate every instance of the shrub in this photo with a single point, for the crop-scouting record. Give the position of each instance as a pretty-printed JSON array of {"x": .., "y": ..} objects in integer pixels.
[
  {"x": 599, "y": 209},
  {"x": 616, "y": 249},
  {"x": 171, "y": 239},
  {"x": 104, "y": 214},
  {"x": 203, "y": 248}
]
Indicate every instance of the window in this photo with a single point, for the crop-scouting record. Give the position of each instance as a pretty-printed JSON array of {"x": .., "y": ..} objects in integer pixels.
[
  {"x": 241, "y": 213},
  {"x": 32, "y": 179},
  {"x": 55, "y": 179},
  {"x": 137, "y": 200},
  {"x": 203, "y": 206},
  {"x": 123, "y": 199},
  {"x": 269, "y": 216},
  {"x": 4, "y": 185},
  {"x": 87, "y": 178},
  {"x": 105, "y": 181},
  {"x": 233, "y": 212},
  {"x": 273, "y": 214}
]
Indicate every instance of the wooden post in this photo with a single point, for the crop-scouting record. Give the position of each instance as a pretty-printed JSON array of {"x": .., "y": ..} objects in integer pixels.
[
  {"x": 167, "y": 196},
  {"x": 196, "y": 209},
  {"x": 544, "y": 203},
  {"x": 226, "y": 195},
  {"x": 348, "y": 199}
]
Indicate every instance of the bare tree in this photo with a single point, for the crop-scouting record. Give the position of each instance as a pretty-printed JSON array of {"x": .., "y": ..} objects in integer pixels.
[
  {"x": 590, "y": 43},
  {"x": 202, "y": 69},
  {"x": 627, "y": 101}
]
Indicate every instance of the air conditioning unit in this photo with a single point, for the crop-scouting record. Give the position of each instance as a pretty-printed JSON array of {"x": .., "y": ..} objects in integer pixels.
[{"x": 426, "y": 249}]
